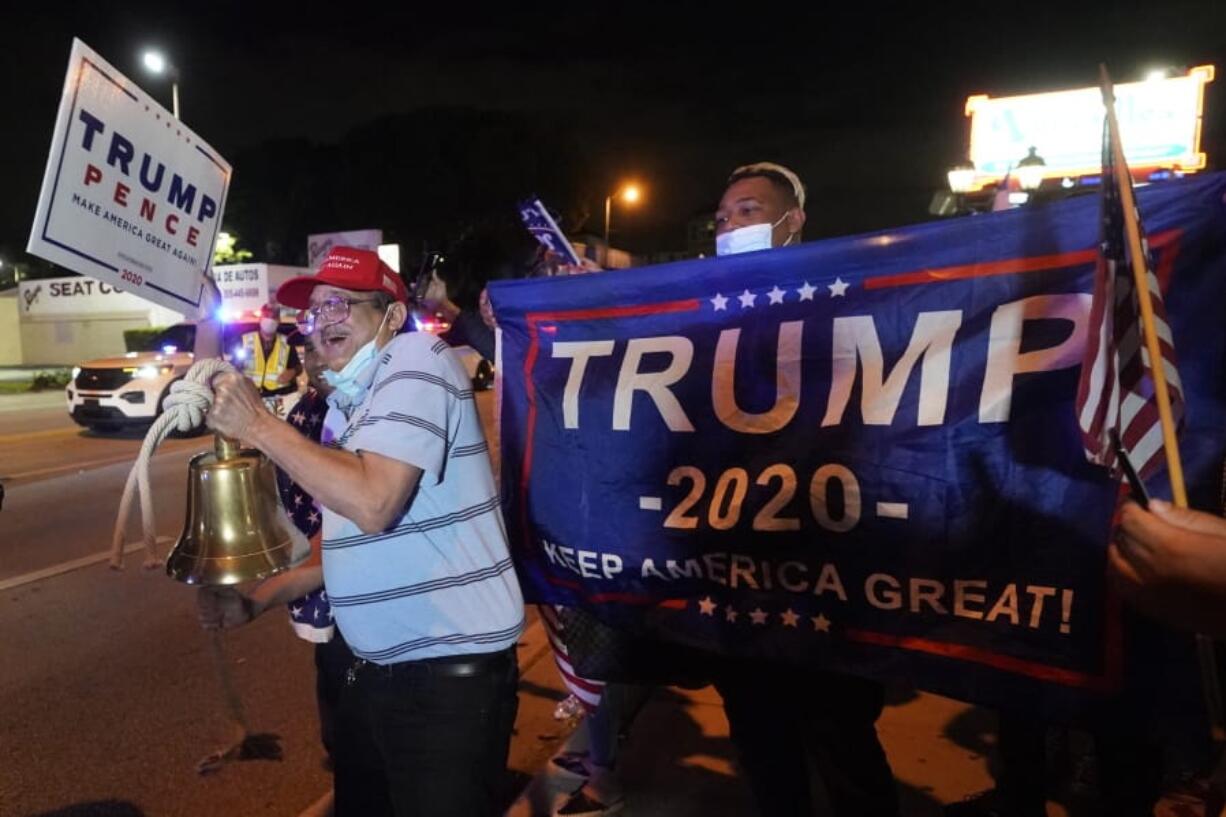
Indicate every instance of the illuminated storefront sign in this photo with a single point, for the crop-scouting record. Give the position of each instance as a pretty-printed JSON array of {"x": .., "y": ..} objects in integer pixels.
[{"x": 1160, "y": 124}]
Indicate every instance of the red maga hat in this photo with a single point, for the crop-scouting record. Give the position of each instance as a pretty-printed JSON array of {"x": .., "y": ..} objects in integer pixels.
[{"x": 346, "y": 268}]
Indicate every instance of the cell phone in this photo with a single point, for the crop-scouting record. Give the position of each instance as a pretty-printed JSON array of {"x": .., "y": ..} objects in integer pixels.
[
  {"x": 430, "y": 262},
  {"x": 1135, "y": 486},
  {"x": 544, "y": 229}
]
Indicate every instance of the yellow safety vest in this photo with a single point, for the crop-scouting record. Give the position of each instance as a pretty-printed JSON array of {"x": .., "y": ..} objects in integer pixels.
[{"x": 264, "y": 373}]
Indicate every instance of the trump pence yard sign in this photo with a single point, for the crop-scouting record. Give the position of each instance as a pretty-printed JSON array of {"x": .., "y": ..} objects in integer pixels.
[{"x": 130, "y": 196}]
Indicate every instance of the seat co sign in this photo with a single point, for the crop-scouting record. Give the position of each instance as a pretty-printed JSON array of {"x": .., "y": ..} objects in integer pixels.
[{"x": 1160, "y": 125}]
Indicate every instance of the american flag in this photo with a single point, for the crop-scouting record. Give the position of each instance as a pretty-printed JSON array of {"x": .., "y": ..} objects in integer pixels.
[
  {"x": 311, "y": 615},
  {"x": 1116, "y": 390}
]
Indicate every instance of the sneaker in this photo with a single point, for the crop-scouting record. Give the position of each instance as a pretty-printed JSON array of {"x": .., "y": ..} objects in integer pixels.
[
  {"x": 581, "y": 804},
  {"x": 573, "y": 763}
]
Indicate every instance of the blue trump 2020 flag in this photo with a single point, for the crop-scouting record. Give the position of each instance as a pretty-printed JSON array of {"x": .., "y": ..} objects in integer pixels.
[{"x": 860, "y": 453}]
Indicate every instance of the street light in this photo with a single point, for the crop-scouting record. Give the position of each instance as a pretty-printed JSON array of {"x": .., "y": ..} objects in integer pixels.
[
  {"x": 629, "y": 194},
  {"x": 157, "y": 64},
  {"x": 1030, "y": 171}
]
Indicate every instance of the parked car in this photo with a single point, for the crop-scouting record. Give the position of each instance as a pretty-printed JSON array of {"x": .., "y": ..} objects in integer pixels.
[{"x": 113, "y": 393}]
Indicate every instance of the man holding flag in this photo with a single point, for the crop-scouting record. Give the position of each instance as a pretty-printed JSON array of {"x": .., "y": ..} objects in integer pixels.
[
  {"x": 1117, "y": 403},
  {"x": 786, "y": 719},
  {"x": 1171, "y": 563}
]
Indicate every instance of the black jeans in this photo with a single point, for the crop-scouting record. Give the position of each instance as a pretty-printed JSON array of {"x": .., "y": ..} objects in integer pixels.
[
  {"x": 1129, "y": 765},
  {"x": 785, "y": 720},
  {"x": 414, "y": 739},
  {"x": 332, "y": 660}
]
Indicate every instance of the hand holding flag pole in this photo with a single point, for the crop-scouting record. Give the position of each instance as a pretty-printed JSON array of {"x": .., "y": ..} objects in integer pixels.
[{"x": 1115, "y": 172}]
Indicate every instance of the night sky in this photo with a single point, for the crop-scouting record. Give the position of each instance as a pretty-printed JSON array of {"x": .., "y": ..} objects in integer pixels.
[{"x": 866, "y": 103}]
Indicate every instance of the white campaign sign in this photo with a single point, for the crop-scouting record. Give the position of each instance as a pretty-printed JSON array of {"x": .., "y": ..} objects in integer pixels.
[
  {"x": 130, "y": 196},
  {"x": 318, "y": 245}
]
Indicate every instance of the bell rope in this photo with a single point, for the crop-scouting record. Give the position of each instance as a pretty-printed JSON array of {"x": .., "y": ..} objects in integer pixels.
[{"x": 184, "y": 409}]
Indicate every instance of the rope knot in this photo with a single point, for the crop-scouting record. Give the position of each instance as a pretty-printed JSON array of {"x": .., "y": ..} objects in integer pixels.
[{"x": 184, "y": 409}]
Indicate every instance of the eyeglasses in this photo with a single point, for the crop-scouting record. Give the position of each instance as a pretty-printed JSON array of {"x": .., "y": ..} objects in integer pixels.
[{"x": 333, "y": 310}]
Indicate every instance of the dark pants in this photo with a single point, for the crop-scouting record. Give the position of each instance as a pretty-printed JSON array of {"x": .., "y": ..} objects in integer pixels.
[
  {"x": 607, "y": 727},
  {"x": 332, "y": 660},
  {"x": 785, "y": 720},
  {"x": 414, "y": 739},
  {"x": 1129, "y": 765}
]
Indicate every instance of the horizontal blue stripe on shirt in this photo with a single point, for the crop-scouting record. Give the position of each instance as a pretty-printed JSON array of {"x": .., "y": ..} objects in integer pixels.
[
  {"x": 423, "y": 587},
  {"x": 425, "y": 377},
  {"x": 394, "y": 417},
  {"x": 433, "y": 641},
  {"x": 415, "y": 527},
  {"x": 469, "y": 450}
]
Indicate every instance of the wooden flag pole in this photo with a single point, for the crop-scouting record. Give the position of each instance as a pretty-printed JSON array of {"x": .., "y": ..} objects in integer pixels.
[
  {"x": 1210, "y": 683},
  {"x": 1156, "y": 361}
]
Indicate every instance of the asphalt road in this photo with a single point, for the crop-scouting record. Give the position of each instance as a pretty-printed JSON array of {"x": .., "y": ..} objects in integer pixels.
[{"x": 108, "y": 693}]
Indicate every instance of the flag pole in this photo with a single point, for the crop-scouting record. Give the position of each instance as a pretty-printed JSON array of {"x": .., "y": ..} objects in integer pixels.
[
  {"x": 1210, "y": 682},
  {"x": 1157, "y": 367}
]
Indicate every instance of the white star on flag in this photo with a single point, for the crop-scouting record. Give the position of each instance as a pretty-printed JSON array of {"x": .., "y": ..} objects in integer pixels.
[
  {"x": 707, "y": 607},
  {"x": 719, "y": 302},
  {"x": 313, "y": 518},
  {"x": 776, "y": 295},
  {"x": 295, "y": 610},
  {"x": 838, "y": 289},
  {"x": 789, "y": 618},
  {"x": 747, "y": 298},
  {"x": 758, "y": 616},
  {"x": 729, "y": 614},
  {"x": 806, "y": 292},
  {"x": 821, "y": 623},
  {"x": 298, "y": 499},
  {"x": 297, "y": 418}
]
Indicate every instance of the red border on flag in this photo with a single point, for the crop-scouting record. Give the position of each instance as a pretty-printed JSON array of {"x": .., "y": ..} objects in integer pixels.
[
  {"x": 1007, "y": 266},
  {"x": 1113, "y": 640}
]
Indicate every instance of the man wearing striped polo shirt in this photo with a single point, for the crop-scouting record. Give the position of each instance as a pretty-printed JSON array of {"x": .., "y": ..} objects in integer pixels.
[{"x": 414, "y": 550}]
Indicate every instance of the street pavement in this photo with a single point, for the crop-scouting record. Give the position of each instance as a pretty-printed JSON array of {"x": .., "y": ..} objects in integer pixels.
[
  {"x": 107, "y": 693},
  {"x": 32, "y": 401},
  {"x": 678, "y": 761}
]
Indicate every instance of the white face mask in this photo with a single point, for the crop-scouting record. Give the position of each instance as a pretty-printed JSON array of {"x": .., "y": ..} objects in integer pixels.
[
  {"x": 268, "y": 326},
  {"x": 750, "y": 238},
  {"x": 349, "y": 385}
]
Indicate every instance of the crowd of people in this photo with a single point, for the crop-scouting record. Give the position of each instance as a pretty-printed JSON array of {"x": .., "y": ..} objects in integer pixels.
[{"x": 412, "y": 602}]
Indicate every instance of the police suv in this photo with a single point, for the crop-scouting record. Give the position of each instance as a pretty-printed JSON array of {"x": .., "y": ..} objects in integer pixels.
[{"x": 113, "y": 393}]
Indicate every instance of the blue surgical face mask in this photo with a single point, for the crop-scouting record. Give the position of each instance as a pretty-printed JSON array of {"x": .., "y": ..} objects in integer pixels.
[
  {"x": 750, "y": 238},
  {"x": 349, "y": 385}
]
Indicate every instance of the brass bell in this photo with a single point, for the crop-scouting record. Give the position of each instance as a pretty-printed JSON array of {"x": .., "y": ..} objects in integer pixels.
[{"x": 235, "y": 530}]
